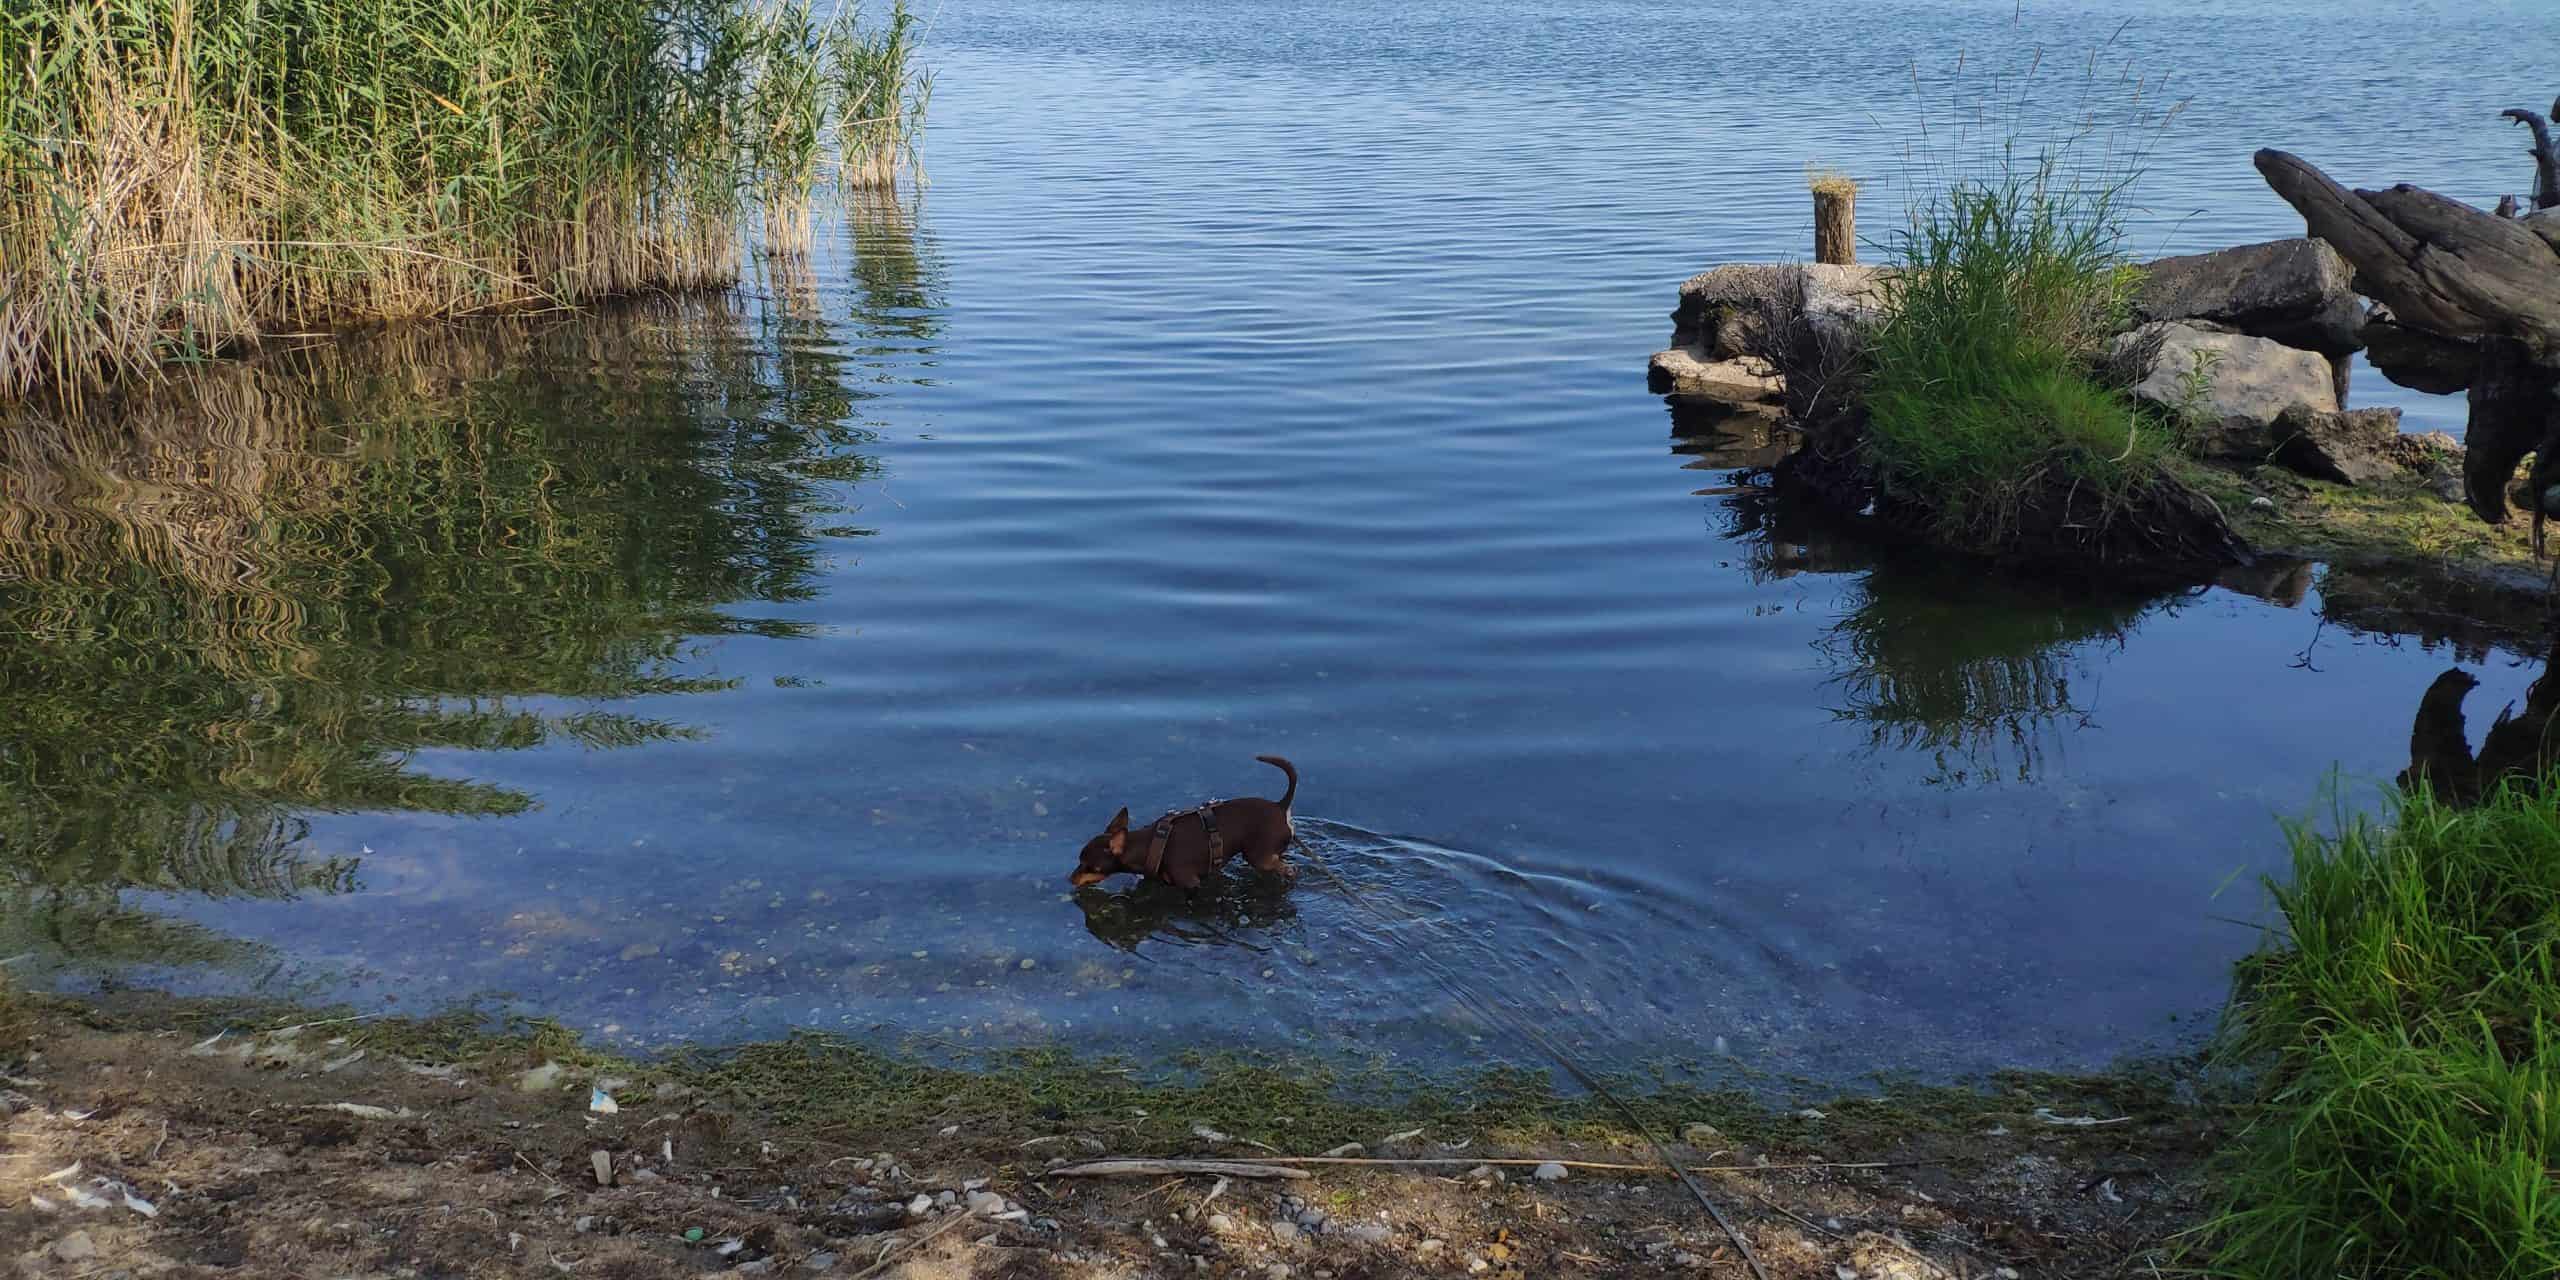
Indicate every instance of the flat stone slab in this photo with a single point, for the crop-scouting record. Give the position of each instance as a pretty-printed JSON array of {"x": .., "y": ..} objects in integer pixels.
[{"x": 1690, "y": 371}]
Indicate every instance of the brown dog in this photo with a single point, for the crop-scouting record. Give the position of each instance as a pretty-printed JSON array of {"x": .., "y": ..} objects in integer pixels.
[{"x": 1184, "y": 845}]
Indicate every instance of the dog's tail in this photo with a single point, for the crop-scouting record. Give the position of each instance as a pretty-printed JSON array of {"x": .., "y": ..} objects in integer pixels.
[{"x": 1289, "y": 769}]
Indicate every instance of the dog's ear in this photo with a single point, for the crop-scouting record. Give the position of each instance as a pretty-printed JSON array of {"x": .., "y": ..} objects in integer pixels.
[
  {"x": 1119, "y": 821},
  {"x": 1119, "y": 831}
]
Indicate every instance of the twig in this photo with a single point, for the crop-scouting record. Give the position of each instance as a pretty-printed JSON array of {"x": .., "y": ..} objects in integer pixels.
[
  {"x": 537, "y": 1169},
  {"x": 1144, "y": 1167},
  {"x": 1799, "y": 1219},
  {"x": 1602, "y": 1165}
]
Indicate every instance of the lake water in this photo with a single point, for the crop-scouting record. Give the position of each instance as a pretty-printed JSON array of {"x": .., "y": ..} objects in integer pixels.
[{"x": 1248, "y": 379}]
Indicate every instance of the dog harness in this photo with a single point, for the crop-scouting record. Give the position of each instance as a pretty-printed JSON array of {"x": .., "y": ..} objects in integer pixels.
[{"x": 1162, "y": 836}]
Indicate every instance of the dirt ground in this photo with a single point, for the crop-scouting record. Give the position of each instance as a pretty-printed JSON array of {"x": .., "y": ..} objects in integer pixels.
[{"x": 332, "y": 1150}]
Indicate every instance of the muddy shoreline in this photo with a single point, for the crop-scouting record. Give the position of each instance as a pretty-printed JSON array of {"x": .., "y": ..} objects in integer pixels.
[{"x": 262, "y": 1140}]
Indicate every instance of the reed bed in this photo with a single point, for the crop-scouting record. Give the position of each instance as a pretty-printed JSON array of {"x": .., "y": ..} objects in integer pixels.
[{"x": 185, "y": 178}]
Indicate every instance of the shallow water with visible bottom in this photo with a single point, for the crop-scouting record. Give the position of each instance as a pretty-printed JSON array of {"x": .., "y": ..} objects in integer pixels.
[{"x": 1247, "y": 379}]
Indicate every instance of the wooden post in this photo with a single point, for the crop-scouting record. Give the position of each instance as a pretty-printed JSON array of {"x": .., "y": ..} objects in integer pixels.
[{"x": 1835, "y": 218}]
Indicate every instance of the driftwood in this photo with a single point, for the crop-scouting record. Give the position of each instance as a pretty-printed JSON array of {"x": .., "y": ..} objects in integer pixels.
[
  {"x": 1144, "y": 1168},
  {"x": 2437, "y": 263},
  {"x": 2546, "y": 158},
  {"x": 2515, "y": 410},
  {"x": 2446, "y": 268}
]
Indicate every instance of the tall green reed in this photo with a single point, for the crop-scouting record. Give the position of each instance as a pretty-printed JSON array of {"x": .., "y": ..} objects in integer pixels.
[{"x": 179, "y": 178}]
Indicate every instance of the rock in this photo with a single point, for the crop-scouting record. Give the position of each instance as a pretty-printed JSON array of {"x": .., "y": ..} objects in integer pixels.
[
  {"x": 2352, "y": 447},
  {"x": 820, "y": 1262},
  {"x": 2233, "y": 385},
  {"x": 1842, "y": 304},
  {"x": 2298, "y": 292},
  {"x": 1287, "y": 1233},
  {"x": 2417, "y": 359},
  {"x": 1221, "y": 1223},
  {"x": 1724, "y": 311},
  {"x": 1690, "y": 371},
  {"x": 541, "y": 1079},
  {"x": 76, "y": 1247},
  {"x": 1368, "y": 1233},
  {"x": 920, "y": 1206},
  {"x": 1699, "y": 1133},
  {"x": 985, "y": 1204},
  {"x": 945, "y": 1200},
  {"x": 1278, "y": 1271},
  {"x": 1549, "y": 1172},
  {"x": 1430, "y": 1248}
]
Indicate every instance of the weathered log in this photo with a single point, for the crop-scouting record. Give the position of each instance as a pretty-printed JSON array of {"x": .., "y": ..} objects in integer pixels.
[
  {"x": 2546, "y": 160},
  {"x": 2515, "y": 408},
  {"x": 2439, "y": 264}
]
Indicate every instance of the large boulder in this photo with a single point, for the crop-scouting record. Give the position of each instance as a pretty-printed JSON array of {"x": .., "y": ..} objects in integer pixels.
[
  {"x": 2298, "y": 292},
  {"x": 2231, "y": 385},
  {"x": 2417, "y": 359},
  {"x": 2354, "y": 447}
]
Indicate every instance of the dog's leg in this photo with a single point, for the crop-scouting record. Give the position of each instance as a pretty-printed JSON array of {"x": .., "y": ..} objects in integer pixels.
[{"x": 1270, "y": 860}]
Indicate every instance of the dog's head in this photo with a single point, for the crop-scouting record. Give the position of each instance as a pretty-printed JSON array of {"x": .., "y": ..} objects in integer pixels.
[{"x": 1102, "y": 854}]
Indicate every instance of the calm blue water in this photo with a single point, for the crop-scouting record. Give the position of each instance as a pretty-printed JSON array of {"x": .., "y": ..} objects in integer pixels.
[{"x": 1248, "y": 379}]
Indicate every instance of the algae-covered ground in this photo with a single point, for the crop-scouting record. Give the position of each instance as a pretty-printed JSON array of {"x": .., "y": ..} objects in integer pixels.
[
  {"x": 2405, "y": 518},
  {"x": 280, "y": 1141}
]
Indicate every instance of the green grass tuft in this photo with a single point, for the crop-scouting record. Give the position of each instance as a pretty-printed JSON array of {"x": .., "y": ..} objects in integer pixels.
[
  {"x": 2408, "y": 1113},
  {"x": 1981, "y": 392}
]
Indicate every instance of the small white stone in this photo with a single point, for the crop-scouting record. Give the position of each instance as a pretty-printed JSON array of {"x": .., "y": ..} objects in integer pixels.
[
  {"x": 1550, "y": 1172},
  {"x": 920, "y": 1206}
]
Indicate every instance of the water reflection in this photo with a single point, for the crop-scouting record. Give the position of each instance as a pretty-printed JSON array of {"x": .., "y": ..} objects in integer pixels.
[
  {"x": 1228, "y": 911},
  {"x": 899, "y": 276},
  {"x": 1985, "y": 675},
  {"x": 2518, "y": 745},
  {"x": 269, "y": 589},
  {"x": 1988, "y": 678}
]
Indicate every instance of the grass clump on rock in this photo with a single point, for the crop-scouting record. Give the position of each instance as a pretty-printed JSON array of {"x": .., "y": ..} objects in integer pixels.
[
  {"x": 2407, "y": 1042},
  {"x": 1986, "y": 407}
]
